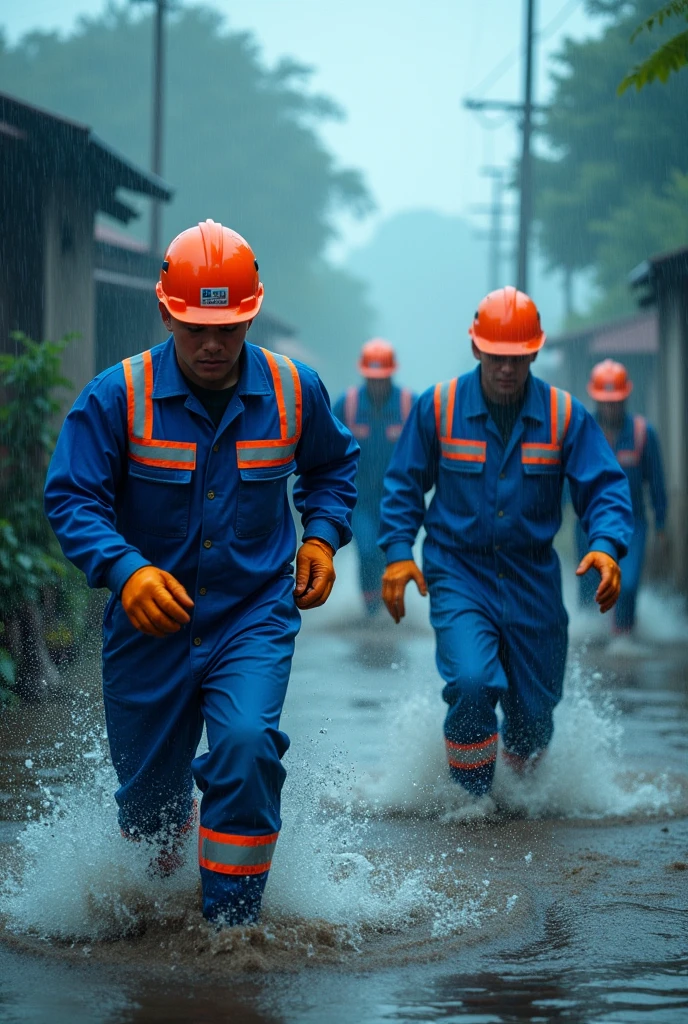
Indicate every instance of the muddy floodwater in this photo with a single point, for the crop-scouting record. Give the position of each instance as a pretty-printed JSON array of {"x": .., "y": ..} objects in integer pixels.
[{"x": 393, "y": 897}]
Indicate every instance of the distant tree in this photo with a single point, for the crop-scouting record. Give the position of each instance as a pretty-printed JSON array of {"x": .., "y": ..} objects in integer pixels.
[
  {"x": 241, "y": 143},
  {"x": 669, "y": 57},
  {"x": 609, "y": 156}
]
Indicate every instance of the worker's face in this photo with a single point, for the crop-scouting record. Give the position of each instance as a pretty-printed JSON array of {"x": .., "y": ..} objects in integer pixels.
[
  {"x": 208, "y": 354},
  {"x": 503, "y": 378},
  {"x": 611, "y": 414}
]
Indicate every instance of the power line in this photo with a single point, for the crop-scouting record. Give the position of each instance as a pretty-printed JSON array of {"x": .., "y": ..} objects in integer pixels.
[{"x": 507, "y": 62}]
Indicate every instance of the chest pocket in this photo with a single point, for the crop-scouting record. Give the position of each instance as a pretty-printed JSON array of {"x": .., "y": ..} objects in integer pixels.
[
  {"x": 262, "y": 500},
  {"x": 158, "y": 499},
  {"x": 266, "y": 464}
]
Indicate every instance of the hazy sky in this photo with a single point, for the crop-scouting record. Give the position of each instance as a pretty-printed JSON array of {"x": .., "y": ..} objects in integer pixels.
[{"x": 400, "y": 69}]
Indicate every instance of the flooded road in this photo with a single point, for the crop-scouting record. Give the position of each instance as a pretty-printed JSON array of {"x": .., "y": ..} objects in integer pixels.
[{"x": 392, "y": 897}]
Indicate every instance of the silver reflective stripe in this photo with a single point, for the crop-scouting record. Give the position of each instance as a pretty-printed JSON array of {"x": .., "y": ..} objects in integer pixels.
[
  {"x": 445, "y": 425},
  {"x": 236, "y": 856},
  {"x": 562, "y": 397},
  {"x": 474, "y": 755},
  {"x": 531, "y": 452},
  {"x": 267, "y": 454},
  {"x": 288, "y": 392},
  {"x": 152, "y": 451},
  {"x": 464, "y": 448},
  {"x": 138, "y": 381}
]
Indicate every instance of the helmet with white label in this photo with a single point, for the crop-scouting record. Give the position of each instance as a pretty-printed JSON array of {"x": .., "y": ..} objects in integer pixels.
[{"x": 210, "y": 276}]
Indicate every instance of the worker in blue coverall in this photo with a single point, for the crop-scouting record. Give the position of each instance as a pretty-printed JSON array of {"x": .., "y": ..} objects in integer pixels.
[
  {"x": 635, "y": 444},
  {"x": 168, "y": 485},
  {"x": 496, "y": 444},
  {"x": 375, "y": 414}
]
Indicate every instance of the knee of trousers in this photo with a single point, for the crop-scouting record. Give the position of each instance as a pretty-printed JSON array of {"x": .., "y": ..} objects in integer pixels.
[{"x": 247, "y": 751}]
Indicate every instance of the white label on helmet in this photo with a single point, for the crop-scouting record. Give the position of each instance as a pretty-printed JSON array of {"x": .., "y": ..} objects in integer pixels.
[{"x": 214, "y": 296}]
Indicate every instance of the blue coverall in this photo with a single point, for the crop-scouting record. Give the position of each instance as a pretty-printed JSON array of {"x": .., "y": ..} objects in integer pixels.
[
  {"x": 227, "y": 534},
  {"x": 493, "y": 575},
  {"x": 377, "y": 429},
  {"x": 638, "y": 452}
]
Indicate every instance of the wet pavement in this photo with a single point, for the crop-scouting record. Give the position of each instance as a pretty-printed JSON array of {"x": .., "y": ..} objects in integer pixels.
[{"x": 392, "y": 898}]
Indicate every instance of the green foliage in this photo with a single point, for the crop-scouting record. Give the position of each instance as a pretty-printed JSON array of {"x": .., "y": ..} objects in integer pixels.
[
  {"x": 29, "y": 559},
  {"x": 242, "y": 143},
  {"x": 608, "y": 196},
  {"x": 669, "y": 57}
]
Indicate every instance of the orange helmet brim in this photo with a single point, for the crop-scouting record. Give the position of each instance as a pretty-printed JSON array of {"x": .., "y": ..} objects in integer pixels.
[
  {"x": 600, "y": 395},
  {"x": 508, "y": 348},
  {"x": 376, "y": 372},
  {"x": 211, "y": 315}
]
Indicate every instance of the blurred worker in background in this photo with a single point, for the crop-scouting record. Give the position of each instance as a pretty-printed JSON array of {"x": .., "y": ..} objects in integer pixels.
[
  {"x": 635, "y": 444},
  {"x": 169, "y": 486},
  {"x": 497, "y": 444},
  {"x": 375, "y": 414}
]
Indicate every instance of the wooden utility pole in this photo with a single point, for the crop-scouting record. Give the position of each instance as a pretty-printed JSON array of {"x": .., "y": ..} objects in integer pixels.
[
  {"x": 526, "y": 198},
  {"x": 525, "y": 109},
  {"x": 157, "y": 114}
]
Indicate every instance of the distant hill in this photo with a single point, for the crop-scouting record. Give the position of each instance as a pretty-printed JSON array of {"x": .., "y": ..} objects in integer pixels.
[{"x": 426, "y": 272}]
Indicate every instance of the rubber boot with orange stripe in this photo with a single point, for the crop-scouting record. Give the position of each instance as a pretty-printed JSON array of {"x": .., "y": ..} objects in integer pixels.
[
  {"x": 473, "y": 764},
  {"x": 234, "y": 870}
]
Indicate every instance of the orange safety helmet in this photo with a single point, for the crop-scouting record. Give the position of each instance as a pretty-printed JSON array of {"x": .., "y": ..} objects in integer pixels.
[
  {"x": 378, "y": 359},
  {"x": 609, "y": 382},
  {"x": 507, "y": 323},
  {"x": 210, "y": 276}
]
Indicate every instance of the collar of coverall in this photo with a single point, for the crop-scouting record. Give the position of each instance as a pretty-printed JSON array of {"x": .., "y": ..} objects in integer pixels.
[
  {"x": 169, "y": 379},
  {"x": 474, "y": 405}
]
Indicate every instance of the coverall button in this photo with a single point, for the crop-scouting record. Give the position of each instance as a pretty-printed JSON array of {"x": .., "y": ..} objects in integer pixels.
[
  {"x": 501, "y": 575},
  {"x": 197, "y": 641},
  {"x": 207, "y": 543},
  {"x": 216, "y": 447},
  {"x": 502, "y": 476},
  {"x": 211, "y": 495},
  {"x": 500, "y": 513},
  {"x": 203, "y": 591},
  {"x": 498, "y": 547}
]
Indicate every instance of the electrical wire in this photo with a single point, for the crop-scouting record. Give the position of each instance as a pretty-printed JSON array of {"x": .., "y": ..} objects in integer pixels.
[{"x": 506, "y": 63}]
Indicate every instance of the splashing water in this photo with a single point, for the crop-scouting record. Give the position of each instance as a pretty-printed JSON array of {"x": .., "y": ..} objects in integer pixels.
[
  {"x": 582, "y": 775},
  {"x": 74, "y": 878}
]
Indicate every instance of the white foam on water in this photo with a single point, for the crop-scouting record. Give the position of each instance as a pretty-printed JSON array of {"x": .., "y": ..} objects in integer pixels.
[
  {"x": 582, "y": 775},
  {"x": 74, "y": 877}
]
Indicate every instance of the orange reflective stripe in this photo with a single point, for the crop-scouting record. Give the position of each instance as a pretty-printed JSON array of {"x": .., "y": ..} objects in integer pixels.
[
  {"x": 463, "y": 451},
  {"x": 451, "y": 397},
  {"x": 264, "y": 454},
  {"x": 533, "y": 454},
  {"x": 438, "y": 410},
  {"x": 472, "y": 755},
  {"x": 148, "y": 395},
  {"x": 279, "y": 393},
  {"x": 639, "y": 434},
  {"x": 406, "y": 403},
  {"x": 130, "y": 396},
  {"x": 234, "y": 854},
  {"x": 142, "y": 447},
  {"x": 351, "y": 408},
  {"x": 553, "y": 411}
]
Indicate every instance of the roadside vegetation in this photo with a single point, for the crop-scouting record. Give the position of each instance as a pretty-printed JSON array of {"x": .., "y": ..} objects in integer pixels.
[{"x": 43, "y": 600}]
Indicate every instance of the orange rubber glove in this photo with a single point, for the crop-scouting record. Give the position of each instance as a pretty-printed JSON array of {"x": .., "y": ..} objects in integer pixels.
[
  {"x": 396, "y": 576},
  {"x": 155, "y": 602},
  {"x": 610, "y": 583},
  {"x": 315, "y": 573}
]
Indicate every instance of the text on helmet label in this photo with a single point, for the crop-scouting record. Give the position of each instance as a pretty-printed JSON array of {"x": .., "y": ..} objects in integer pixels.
[{"x": 214, "y": 296}]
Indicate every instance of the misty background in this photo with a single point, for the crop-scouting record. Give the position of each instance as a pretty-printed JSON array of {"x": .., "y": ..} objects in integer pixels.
[{"x": 333, "y": 136}]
